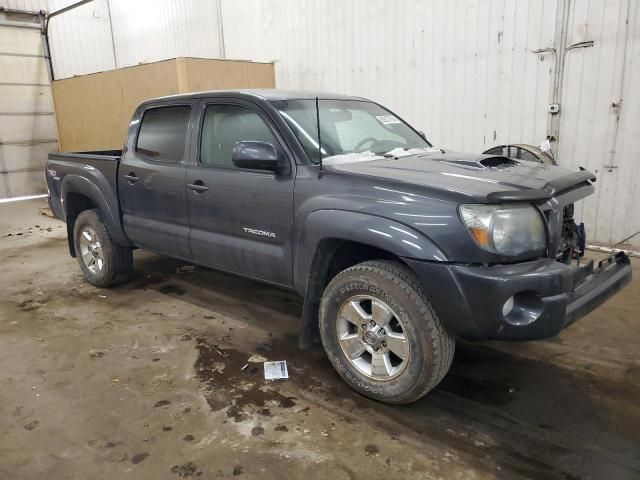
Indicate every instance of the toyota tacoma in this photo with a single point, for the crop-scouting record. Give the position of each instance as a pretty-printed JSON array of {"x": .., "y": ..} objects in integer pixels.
[{"x": 397, "y": 247}]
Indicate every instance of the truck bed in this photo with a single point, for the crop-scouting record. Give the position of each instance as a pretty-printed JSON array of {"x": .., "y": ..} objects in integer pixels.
[
  {"x": 96, "y": 154},
  {"x": 93, "y": 174}
]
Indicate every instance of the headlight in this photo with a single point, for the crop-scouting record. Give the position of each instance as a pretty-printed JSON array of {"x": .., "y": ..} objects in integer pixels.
[{"x": 505, "y": 229}]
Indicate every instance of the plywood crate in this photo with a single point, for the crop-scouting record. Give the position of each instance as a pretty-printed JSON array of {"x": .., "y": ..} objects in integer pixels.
[{"x": 93, "y": 111}]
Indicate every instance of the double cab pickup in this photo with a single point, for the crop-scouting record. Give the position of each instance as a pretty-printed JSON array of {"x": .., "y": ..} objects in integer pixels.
[{"x": 398, "y": 248}]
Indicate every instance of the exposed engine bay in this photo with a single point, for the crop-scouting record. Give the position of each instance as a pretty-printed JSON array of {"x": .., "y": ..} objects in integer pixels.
[{"x": 572, "y": 238}]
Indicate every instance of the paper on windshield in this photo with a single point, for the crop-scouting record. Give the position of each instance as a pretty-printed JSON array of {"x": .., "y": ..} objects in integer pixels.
[
  {"x": 387, "y": 119},
  {"x": 401, "y": 152},
  {"x": 354, "y": 157},
  {"x": 357, "y": 157}
]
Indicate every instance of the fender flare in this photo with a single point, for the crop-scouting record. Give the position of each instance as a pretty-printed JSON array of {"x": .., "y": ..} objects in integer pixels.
[
  {"x": 109, "y": 214},
  {"x": 379, "y": 232}
]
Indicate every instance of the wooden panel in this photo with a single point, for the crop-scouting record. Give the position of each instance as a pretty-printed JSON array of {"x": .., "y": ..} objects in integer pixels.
[
  {"x": 147, "y": 81},
  {"x": 93, "y": 111},
  {"x": 261, "y": 75},
  {"x": 203, "y": 74},
  {"x": 89, "y": 112}
]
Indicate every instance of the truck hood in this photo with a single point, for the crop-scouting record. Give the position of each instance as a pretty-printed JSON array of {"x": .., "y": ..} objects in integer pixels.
[{"x": 486, "y": 177}]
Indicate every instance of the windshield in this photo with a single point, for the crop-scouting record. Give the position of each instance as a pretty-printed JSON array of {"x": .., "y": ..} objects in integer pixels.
[{"x": 347, "y": 127}]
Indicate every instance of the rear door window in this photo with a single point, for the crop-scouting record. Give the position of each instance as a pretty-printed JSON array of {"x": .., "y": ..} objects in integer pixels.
[{"x": 163, "y": 133}]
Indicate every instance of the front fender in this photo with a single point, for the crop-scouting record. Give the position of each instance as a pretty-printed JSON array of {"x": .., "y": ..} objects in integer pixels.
[
  {"x": 107, "y": 207},
  {"x": 380, "y": 232}
]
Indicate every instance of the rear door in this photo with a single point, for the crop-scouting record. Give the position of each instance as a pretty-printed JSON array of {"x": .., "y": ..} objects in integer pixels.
[
  {"x": 241, "y": 220},
  {"x": 151, "y": 180}
]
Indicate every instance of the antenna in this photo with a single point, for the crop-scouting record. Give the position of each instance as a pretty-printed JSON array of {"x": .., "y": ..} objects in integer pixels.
[{"x": 319, "y": 139}]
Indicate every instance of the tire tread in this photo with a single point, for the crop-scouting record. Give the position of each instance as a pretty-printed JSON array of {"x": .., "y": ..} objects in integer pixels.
[
  {"x": 443, "y": 344},
  {"x": 120, "y": 258}
]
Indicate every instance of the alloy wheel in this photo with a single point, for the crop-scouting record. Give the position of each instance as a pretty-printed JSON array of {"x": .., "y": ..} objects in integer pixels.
[{"x": 372, "y": 337}]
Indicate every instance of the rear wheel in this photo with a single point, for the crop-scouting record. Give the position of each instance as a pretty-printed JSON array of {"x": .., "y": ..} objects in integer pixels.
[
  {"x": 103, "y": 262},
  {"x": 381, "y": 333}
]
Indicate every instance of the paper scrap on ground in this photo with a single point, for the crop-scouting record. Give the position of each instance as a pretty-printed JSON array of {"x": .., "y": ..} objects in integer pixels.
[
  {"x": 275, "y": 370},
  {"x": 256, "y": 358}
]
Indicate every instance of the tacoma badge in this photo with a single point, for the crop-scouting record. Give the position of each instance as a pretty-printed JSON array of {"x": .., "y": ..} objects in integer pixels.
[{"x": 262, "y": 233}]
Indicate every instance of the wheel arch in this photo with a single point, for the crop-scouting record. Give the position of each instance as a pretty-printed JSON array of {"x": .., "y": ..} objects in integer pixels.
[
  {"x": 335, "y": 240},
  {"x": 79, "y": 194}
]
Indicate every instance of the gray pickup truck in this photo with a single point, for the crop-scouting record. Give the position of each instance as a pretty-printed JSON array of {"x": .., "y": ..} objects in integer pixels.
[{"x": 397, "y": 247}]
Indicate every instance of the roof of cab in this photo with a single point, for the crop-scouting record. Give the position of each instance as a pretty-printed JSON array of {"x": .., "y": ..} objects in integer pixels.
[{"x": 268, "y": 94}]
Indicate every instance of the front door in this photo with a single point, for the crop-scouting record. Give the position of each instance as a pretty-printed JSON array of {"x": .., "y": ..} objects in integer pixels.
[
  {"x": 152, "y": 181},
  {"x": 241, "y": 220}
]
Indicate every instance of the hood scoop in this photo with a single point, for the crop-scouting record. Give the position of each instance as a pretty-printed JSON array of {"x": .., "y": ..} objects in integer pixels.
[
  {"x": 497, "y": 162},
  {"x": 487, "y": 162}
]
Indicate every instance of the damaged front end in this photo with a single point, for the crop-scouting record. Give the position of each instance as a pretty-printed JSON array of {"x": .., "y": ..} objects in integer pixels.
[
  {"x": 572, "y": 238},
  {"x": 531, "y": 299}
]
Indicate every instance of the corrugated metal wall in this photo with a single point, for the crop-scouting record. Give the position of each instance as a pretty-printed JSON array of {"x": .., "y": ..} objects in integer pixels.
[
  {"x": 600, "y": 116},
  {"x": 31, "y": 5},
  {"x": 27, "y": 126},
  {"x": 465, "y": 72},
  {"x": 144, "y": 31},
  {"x": 461, "y": 71},
  {"x": 80, "y": 40},
  {"x": 188, "y": 29}
]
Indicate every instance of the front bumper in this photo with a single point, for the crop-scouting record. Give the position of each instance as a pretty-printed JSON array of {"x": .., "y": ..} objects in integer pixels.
[{"x": 547, "y": 295}]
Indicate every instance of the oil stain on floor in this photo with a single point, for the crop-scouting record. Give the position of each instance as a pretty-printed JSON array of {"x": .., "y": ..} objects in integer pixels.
[
  {"x": 148, "y": 380},
  {"x": 241, "y": 393}
]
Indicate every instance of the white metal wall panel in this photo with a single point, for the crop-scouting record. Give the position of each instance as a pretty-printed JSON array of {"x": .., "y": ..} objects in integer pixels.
[
  {"x": 23, "y": 98},
  {"x": 80, "y": 39},
  {"x": 17, "y": 128},
  {"x": 152, "y": 30},
  {"x": 465, "y": 73},
  {"x": 19, "y": 69},
  {"x": 144, "y": 31},
  {"x": 18, "y": 43},
  {"x": 462, "y": 71},
  {"x": 31, "y": 5},
  {"x": 593, "y": 132},
  {"x": 625, "y": 201},
  {"x": 27, "y": 126}
]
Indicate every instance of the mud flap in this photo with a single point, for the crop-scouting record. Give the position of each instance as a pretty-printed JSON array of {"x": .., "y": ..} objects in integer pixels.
[{"x": 309, "y": 332}]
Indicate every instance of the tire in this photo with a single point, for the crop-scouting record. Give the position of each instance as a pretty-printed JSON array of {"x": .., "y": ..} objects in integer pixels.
[
  {"x": 413, "y": 330},
  {"x": 103, "y": 262}
]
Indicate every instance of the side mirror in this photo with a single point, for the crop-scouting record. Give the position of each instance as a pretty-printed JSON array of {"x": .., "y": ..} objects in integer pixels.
[{"x": 257, "y": 156}]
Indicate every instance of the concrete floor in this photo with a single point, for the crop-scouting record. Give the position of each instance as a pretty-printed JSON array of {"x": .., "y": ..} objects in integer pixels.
[{"x": 145, "y": 381}]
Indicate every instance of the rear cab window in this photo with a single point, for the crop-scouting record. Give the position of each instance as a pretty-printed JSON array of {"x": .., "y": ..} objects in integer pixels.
[{"x": 163, "y": 133}]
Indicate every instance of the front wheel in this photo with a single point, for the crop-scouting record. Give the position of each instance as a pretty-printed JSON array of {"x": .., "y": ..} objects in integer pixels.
[
  {"x": 103, "y": 262},
  {"x": 381, "y": 333}
]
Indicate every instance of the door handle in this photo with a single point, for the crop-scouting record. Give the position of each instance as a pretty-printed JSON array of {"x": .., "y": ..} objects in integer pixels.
[
  {"x": 131, "y": 177},
  {"x": 198, "y": 186}
]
